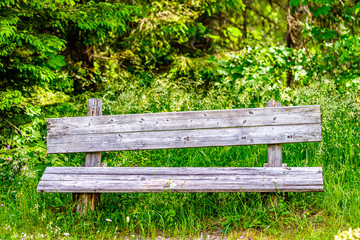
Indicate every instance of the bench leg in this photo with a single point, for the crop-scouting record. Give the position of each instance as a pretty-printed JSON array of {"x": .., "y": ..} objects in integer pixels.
[
  {"x": 274, "y": 156},
  {"x": 87, "y": 201}
]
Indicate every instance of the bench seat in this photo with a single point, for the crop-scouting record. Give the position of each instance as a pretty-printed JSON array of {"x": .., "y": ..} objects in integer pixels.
[{"x": 181, "y": 179}]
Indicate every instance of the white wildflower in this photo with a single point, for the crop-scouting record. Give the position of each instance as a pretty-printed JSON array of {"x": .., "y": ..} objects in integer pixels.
[{"x": 348, "y": 234}]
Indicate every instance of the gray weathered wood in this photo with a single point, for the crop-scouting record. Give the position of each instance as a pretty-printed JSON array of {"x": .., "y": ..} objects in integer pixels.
[
  {"x": 97, "y": 180},
  {"x": 94, "y": 108},
  {"x": 177, "y": 170},
  {"x": 273, "y": 125},
  {"x": 274, "y": 154},
  {"x": 274, "y": 150},
  {"x": 93, "y": 159},
  {"x": 184, "y": 120},
  {"x": 184, "y": 138}
]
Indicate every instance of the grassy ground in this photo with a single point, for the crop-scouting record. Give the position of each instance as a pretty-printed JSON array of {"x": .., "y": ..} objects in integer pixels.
[{"x": 24, "y": 214}]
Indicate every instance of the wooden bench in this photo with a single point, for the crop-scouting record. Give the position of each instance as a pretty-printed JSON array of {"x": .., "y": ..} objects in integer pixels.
[{"x": 273, "y": 125}]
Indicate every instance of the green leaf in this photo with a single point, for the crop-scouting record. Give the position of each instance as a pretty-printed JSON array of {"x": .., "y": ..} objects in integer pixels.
[
  {"x": 295, "y": 3},
  {"x": 357, "y": 8},
  {"x": 56, "y": 61},
  {"x": 234, "y": 31},
  {"x": 33, "y": 110},
  {"x": 323, "y": 10}
]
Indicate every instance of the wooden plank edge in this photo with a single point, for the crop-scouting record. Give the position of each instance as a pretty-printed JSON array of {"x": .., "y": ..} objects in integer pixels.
[{"x": 314, "y": 189}]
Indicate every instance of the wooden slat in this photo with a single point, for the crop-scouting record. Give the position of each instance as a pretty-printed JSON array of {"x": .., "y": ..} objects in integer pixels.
[
  {"x": 99, "y": 180},
  {"x": 184, "y": 120},
  {"x": 178, "y": 170},
  {"x": 184, "y": 139}
]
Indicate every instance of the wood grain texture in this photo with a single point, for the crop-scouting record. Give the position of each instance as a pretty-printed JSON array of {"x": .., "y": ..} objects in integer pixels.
[
  {"x": 94, "y": 108},
  {"x": 174, "y": 121},
  {"x": 184, "y": 138},
  {"x": 274, "y": 150},
  {"x": 92, "y": 134},
  {"x": 152, "y": 179},
  {"x": 85, "y": 201}
]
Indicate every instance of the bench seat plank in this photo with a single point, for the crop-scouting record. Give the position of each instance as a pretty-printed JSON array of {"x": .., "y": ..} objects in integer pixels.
[{"x": 193, "y": 179}]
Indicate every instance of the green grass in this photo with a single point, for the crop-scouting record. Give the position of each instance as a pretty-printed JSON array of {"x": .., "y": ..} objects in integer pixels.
[{"x": 183, "y": 215}]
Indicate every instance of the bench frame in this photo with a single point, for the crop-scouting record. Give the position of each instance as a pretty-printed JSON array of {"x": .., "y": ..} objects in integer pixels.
[{"x": 272, "y": 171}]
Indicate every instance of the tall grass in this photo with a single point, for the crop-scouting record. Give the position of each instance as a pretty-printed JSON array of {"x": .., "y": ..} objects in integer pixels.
[{"x": 26, "y": 214}]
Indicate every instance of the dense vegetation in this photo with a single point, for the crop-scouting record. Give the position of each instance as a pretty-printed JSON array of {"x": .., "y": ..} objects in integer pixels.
[{"x": 158, "y": 56}]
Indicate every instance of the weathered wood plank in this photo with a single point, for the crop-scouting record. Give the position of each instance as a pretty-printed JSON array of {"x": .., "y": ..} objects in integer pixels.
[
  {"x": 112, "y": 177},
  {"x": 184, "y": 138},
  {"x": 236, "y": 188},
  {"x": 97, "y": 180},
  {"x": 184, "y": 120},
  {"x": 181, "y": 170},
  {"x": 189, "y": 182},
  {"x": 157, "y": 186}
]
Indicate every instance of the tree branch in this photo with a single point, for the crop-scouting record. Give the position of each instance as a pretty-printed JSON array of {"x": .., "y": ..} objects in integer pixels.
[
  {"x": 17, "y": 129},
  {"x": 281, "y": 6}
]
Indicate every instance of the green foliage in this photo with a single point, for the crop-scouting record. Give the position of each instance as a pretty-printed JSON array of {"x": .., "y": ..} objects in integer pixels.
[
  {"x": 33, "y": 34},
  {"x": 10, "y": 99},
  {"x": 97, "y": 20},
  {"x": 163, "y": 32},
  {"x": 24, "y": 50}
]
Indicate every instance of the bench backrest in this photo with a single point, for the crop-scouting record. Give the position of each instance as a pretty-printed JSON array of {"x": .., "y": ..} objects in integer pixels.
[{"x": 276, "y": 125}]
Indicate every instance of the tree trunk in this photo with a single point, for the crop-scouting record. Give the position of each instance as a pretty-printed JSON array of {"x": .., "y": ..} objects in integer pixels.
[
  {"x": 245, "y": 22},
  {"x": 293, "y": 35}
]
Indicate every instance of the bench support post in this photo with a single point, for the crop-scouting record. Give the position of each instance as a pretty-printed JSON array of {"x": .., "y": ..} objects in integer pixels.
[
  {"x": 87, "y": 200},
  {"x": 274, "y": 153},
  {"x": 274, "y": 150}
]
